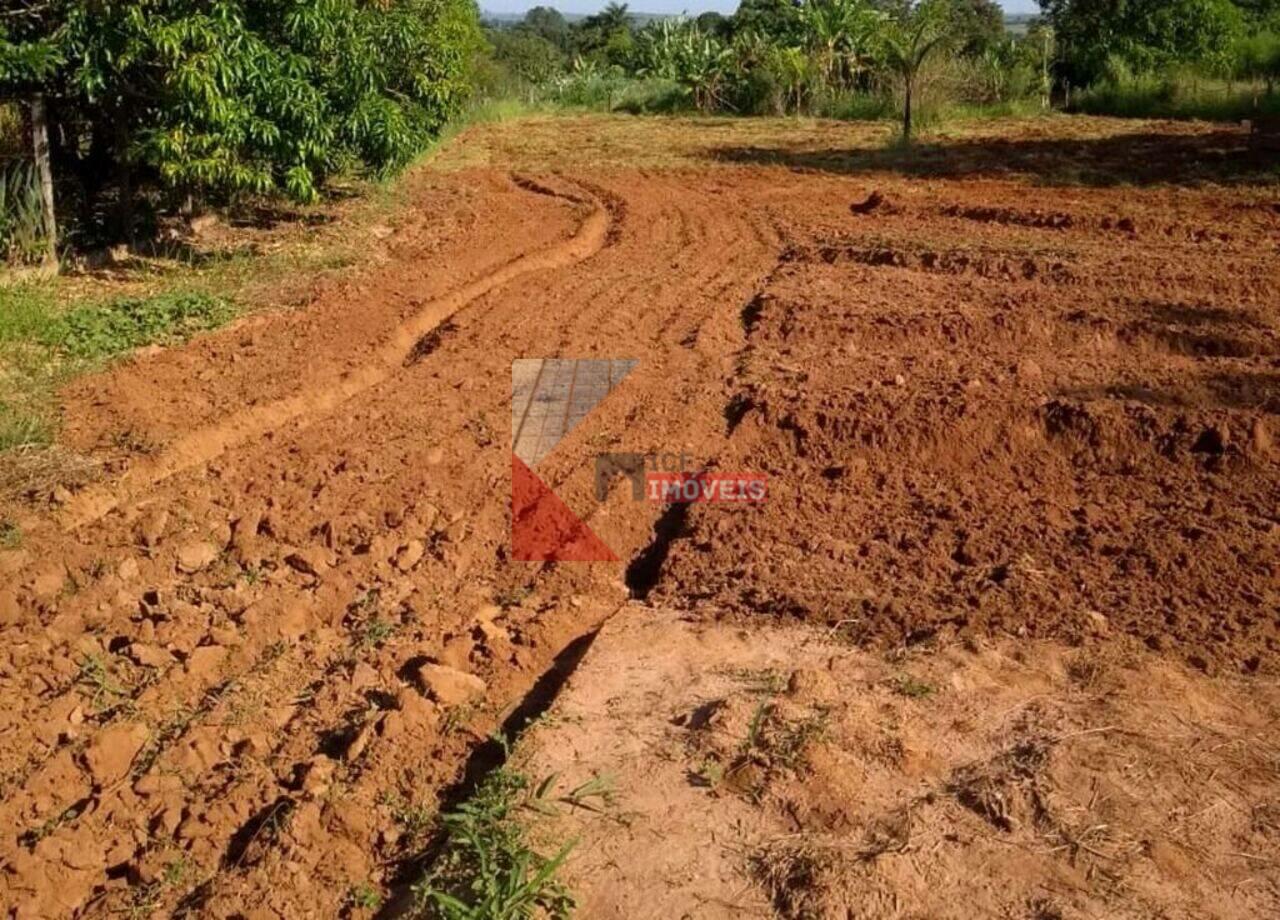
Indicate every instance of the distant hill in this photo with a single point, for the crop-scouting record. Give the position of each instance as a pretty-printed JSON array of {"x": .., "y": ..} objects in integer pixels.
[{"x": 1018, "y": 23}]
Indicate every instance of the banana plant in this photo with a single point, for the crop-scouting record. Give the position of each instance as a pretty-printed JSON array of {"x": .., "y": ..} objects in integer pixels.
[
  {"x": 911, "y": 34},
  {"x": 840, "y": 33}
]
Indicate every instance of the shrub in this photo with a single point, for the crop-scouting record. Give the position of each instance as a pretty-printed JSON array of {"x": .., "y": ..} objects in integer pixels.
[
  {"x": 1174, "y": 93},
  {"x": 22, "y": 226}
]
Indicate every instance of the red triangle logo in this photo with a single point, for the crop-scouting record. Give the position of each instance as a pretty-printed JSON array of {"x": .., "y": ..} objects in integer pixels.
[{"x": 543, "y": 529}]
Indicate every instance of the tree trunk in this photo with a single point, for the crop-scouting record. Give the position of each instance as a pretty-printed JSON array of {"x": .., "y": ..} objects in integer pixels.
[
  {"x": 124, "y": 183},
  {"x": 44, "y": 174},
  {"x": 908, "y": 85}
]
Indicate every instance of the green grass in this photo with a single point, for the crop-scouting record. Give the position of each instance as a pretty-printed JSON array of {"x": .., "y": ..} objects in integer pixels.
[
  {"x": 43, "y": 343},
  {"x": 22, "y": 225},
  {"x": 93, "y": 332},
  {"x": 1176, "y": 96},
  {"x": 10, "y": 535},
  {"x": 487, "y": 869},
  {"x": 375, "y": 632},
  {"x": 910, "y": 687},
  {"x": 21, "y": 427},
  {"x": 104, "y": 690},
  {"x": 365, "y": 897}
]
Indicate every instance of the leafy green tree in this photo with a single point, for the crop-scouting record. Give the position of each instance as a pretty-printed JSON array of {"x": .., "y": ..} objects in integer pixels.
[
  {"x": 1146, "y": 35},
  {"x": 840, "y": 33},
  {"x": 610, "y": 19},
  {"x": 549, "y": 24},
  {"x": 527, "y": 55},
  {"x": 792, "y": 70},
  {"x": 979, "y": 26},
  {"x": 1261, "y": 14},
  {"x": 912, "y": 34},
  {"x": 1257, "y": 57},
  {"x": 207, "y": 98},
  {"x": 679, "y": 50},
  {"x": 713, "y": 23},
  {"x": 778, "y": 21},
  {"x": 606, "y": 36},
  {"x": 1038, "y": 47}
]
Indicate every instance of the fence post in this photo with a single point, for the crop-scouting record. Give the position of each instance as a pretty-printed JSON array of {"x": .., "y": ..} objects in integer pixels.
[{"x": 44, "y": 173}]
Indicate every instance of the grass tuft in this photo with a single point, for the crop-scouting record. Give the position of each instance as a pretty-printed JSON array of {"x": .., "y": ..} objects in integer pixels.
[
  {"x": 487, "y": 869},
  {"x": 97, "y": 331},
  {"x": 43, "y": 344},
  {"x": 910, "y": 687},
  {"x": 365, "y": 896},
  {"x": 10, "y": 535},
  {"x": 1176, "y": 95}
]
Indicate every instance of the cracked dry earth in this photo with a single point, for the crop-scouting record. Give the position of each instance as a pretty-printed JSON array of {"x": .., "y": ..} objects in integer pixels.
[{"x": 240, "y": 669}]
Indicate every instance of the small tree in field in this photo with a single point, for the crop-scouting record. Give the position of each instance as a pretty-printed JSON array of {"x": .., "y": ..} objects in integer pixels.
[{"x": 912, "y": 33}]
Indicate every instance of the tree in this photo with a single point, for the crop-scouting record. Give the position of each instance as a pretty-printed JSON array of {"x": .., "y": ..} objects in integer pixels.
[
  {"x": 605, "y": 35},
  {"x": 913, "y": 32},
  {"x": 548, "y": 24},
  {"x": 679, "y": 50},
  {"x": 1144, "y": 35},
  {"x": 527, "y": 54},
  {"x": 207, "y": 98},
  {"x": 1257, "y": 57},
  {"x": 978, "y": 25},
  {"x": 610, "y": 19},
  {"x": 776, "y": 20},
  {"x": 1040, "y": 45},
  {"x": 1261, "y": 14},
  {"x": 839, "y": 32},
  {"x": 713, "y": 23}
]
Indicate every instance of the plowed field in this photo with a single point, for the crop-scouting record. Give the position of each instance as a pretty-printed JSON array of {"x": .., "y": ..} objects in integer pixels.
[{"x": 1021, "y": 384}]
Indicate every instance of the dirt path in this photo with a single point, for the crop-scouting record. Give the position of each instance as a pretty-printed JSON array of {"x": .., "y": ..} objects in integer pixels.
[{"x": 979, "y": 416}]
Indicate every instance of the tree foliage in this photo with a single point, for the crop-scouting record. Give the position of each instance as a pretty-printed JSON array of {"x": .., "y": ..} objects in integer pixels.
[
  {"x": 860, "y": 56},
  {"x": 1143, "y": 35},
  {"x": 206, "y": 98},
  {"x": 910, "y": 35}
]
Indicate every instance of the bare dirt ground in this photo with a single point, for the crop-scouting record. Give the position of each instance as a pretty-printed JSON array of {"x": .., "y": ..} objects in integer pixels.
[
  {"x": 776, "y": 771},
  {"x": 1023, "y": 394}
]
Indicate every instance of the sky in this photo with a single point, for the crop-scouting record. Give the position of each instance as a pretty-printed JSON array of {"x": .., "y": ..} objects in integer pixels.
[{"x": 671, "y": 6}]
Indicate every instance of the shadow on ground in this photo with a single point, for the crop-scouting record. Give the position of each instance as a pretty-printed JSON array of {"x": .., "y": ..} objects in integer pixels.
[{"x": 1222, "y": 156}]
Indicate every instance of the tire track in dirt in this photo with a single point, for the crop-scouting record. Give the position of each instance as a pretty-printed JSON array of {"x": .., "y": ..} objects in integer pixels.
[
  {"x": 403, "y": 334},
  {"x": 586, "y": 319},
  {"x": 590, "y": 236},
  {"x": 307, "y": 740},
  {"x": 202, "y": 446},
  {"x": 581, "y": 303}
]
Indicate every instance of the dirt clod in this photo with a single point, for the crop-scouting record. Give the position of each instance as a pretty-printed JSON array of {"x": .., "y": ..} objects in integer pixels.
[
  {"x": 195, "y": 556},
  {"x": 449, "y": 686},
  {"x": 409, "y": 555},
  {"x": 111, "y": 754}
]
